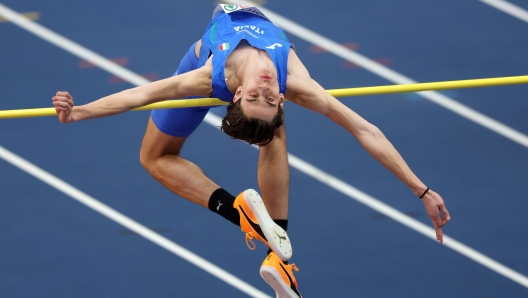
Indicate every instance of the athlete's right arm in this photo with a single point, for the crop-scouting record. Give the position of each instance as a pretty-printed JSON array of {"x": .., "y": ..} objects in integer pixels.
[
  {"x": 196, "y": 82},
  {"x": 306, "y": 92}
]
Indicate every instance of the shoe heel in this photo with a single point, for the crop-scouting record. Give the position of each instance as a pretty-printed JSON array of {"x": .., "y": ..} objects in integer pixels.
[{"x": 273, "y": 278}]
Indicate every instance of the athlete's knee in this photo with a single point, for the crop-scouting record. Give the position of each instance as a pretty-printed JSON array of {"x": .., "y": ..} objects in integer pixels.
[
  {"x": 156, "y": 145},
  {"x": 145, "y": 158},
  {"x": 151, "y": 157},
  {"x": 148, "y": 157}
]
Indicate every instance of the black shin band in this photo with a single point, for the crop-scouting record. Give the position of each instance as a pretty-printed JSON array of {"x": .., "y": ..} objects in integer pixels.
[
  {"x": 221, "y": 202},
  {"x": 283, "y": 223}
]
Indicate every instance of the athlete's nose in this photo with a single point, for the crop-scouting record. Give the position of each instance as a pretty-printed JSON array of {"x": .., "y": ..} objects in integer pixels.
[{"x": 263, "y": 87}]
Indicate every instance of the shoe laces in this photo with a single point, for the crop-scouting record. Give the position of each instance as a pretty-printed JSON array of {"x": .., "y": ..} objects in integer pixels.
[
  {"x": 294, "y": 267},
  {"x": 249, "y": 241}
]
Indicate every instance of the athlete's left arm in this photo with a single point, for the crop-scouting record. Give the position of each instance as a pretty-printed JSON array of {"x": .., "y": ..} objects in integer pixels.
[
  {"x": 304, "y": 91},
  {"x": 196, "y": 82}
]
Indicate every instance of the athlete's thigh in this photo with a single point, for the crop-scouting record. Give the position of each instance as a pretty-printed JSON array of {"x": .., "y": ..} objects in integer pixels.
[{"x": 181, "y": 122}]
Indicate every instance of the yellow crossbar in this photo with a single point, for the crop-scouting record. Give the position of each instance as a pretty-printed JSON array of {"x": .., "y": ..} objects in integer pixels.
[
  {"x": 447, "y": 85},
  {"x": 405, "y": 88}
]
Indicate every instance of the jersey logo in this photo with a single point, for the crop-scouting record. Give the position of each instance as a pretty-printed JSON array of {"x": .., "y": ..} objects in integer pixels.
[
  {"x": 231, "y": 7},
  {"x": 274, "y": 45}
]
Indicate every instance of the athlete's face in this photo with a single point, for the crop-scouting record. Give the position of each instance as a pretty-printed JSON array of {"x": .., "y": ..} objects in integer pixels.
[{"x": 260, "y": 97}]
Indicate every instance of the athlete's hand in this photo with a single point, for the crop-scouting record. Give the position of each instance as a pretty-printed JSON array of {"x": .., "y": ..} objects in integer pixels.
[
  {"x": 63, "y": 103},
  {"x": 435, "y": 207}
]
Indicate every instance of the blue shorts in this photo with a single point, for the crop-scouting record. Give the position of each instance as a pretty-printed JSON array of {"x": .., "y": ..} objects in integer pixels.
[{"x": 181, "y": 122}]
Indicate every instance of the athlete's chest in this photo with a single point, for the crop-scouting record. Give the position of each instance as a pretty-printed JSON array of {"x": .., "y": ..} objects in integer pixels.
[{"x": 244, "y": 52}]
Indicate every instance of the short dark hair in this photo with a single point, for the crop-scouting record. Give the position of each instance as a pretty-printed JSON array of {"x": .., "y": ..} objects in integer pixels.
[{"x": 251, "y": 130}]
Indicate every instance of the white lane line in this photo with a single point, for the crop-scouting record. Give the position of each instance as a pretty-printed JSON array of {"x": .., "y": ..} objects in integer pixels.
[
  {"x": 71, "y": 46},
  {"x": 127, "y": 222},
  {"x": 391, "y": 75},
  {"x": 508, "y": 8},
  {"x": 381, "y": 207}
]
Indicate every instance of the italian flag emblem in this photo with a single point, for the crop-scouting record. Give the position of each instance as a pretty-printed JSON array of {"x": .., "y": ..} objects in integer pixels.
[{"x": 223, "y": 47}]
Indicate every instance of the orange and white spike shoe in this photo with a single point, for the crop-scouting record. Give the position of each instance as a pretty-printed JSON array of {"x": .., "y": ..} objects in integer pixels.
[
  {"x": 280, "y": 277},
  {"x": 257, "y": 224}
]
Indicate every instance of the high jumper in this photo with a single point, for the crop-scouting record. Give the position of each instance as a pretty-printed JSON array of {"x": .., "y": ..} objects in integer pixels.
[{"x": 245, "y": 59}]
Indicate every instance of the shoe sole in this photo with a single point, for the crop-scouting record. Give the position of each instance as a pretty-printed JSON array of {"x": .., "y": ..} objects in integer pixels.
[
  {"x": 276, "y": 236},
  {"x": 274, "y": 279}
]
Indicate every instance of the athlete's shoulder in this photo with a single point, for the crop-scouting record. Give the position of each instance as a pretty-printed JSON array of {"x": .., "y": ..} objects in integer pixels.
[
  {"x": 299, "y": 80},
  {"x": 295, "y": 65},
  {"x": 195, "y": 82}
]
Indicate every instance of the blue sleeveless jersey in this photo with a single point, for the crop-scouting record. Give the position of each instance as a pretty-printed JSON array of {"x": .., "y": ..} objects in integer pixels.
[{"x": 231, "y": 24}]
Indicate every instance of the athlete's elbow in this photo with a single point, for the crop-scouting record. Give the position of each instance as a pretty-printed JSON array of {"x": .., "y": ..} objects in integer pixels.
[{"x": 372, "y": 132}]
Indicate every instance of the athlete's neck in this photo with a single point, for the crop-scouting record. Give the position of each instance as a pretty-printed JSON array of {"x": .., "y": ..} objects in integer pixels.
[{"x": 245, "y": 62}]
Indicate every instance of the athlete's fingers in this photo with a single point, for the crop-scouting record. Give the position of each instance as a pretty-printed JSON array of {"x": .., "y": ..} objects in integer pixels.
[
  {"x": 63, "y": 110},
  {"x": 439, "y": 235},
  {"x": 61, "y": 104},
  {"x": 440, "y": 219},
  {"x": 435, "y": 217},
  {"x": 63, "y": 93},
  {"x": 446, "y": 217},
  {"x": 63, "y": 99},
  {"x": 438, "y": 231}
]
